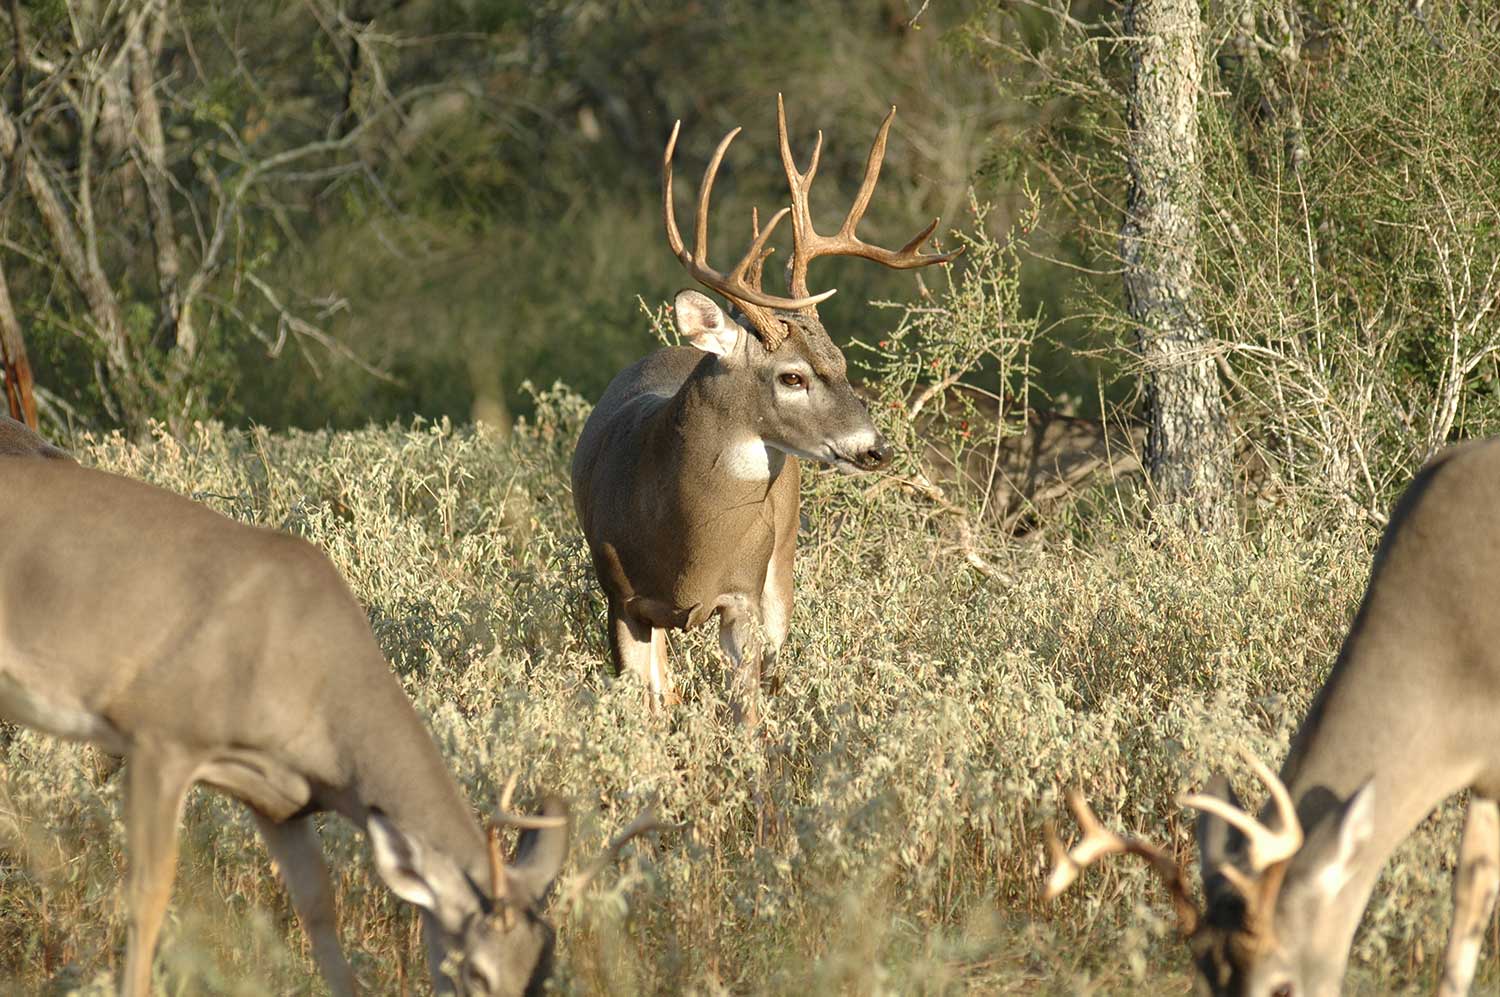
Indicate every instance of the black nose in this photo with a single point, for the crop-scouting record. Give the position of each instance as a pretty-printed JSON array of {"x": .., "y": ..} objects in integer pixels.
[{"x": 877, "y": 456}]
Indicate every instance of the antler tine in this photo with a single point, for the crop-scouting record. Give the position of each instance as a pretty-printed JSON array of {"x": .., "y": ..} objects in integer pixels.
[
  {"x": 508, "y": 791},
  {"x": 524, "y": 822},
  {"x": 1267, "y": 848},
  {"x": 873, "y": 162},
  {"x": 1097, "y": 842},
  {"x": 734, "y": 286},
  {"x": 757, "y": 253},
  {"x": 710, "y": 174},
  {"x": 807, "y": 244},
  {"x": 799, "y": 181},
  {"x": 754, "y": 272},
  {"x": 499, "y": 883},
  {"x": 645, "y": 822}
]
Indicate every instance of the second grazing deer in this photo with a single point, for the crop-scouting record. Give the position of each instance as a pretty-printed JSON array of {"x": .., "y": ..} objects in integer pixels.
[
  {"x": 686, "y": 475},
  {"x": 205, "y": 650},
  {"x": 1406, "y": 719}
]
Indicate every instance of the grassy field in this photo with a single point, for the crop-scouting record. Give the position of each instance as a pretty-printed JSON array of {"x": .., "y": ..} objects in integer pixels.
[{"x": 928, "y": 718}]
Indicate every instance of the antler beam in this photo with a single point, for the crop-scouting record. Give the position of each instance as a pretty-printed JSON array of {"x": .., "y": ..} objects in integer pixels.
[
  {"x": 808, "y": 245},
  {"x": 734, "y": 284},
  {"x": 1097, "y": 842}
]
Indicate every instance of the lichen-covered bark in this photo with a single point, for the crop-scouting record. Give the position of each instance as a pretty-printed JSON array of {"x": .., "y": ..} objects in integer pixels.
[{"x": 1187, "y": 452}]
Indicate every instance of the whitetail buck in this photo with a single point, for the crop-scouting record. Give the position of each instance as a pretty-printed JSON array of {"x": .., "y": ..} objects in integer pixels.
[
  {"x": 205, "y": 650},
  {"x": 1407, "y": 718},
  {"x": 686, "y": 475}
]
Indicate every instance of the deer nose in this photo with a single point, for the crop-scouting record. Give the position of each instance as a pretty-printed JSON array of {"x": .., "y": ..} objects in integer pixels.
[{"x": 876, "y": 457}]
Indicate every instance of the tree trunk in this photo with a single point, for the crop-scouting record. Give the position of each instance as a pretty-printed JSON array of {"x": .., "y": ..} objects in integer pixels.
[
  {"x": 18, "y": 391},
  {"x": 175, "y": 327},
  {"x": 1187, "y": 451}
]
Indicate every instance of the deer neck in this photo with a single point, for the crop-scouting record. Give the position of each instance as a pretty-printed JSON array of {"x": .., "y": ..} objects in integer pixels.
[
  {"x": 1366, "y": 722},
  {"x": 409, "y": 781},
  {"x": 707, "y": 435}
]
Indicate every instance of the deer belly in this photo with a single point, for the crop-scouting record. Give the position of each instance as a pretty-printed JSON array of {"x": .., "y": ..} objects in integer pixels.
[{"x": 257, "y": 779}]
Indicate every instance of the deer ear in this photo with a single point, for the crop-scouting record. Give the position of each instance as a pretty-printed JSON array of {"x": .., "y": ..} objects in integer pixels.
[
  {"x": 540, "y": 854},
  {"x": 703, "y": 324},
  {"x": 417, "y": 874},
  {"x": 1218, "y": 842},
  {"x": 1337, "y": 846}
]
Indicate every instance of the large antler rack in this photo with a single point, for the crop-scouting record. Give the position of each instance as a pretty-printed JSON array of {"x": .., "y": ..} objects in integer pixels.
[
  {"x": 1268, "y": 852},
  {"x": 808, "y": 245},
  {"x": 742, "y": 283}
]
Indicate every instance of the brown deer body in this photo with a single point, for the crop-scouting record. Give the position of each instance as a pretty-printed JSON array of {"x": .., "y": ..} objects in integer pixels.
[
  {"x": 205, "y": 650},
  {"x": 686, "y": 477},
  {"x": 1406, "y": 719}
]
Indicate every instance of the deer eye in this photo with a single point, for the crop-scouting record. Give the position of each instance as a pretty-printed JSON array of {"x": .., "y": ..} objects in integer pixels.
[
  {"x": 1285, "y": 990},
  {"x": 792, "y": 379}
]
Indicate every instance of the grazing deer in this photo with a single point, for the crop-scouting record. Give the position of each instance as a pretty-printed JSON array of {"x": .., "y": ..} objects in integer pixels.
[
  {"x": 686, "y": 474},
  {"x": 19, "y": 440},
  {"x": 205, "y": 650},
  {"x": 1407, "y": 718}
]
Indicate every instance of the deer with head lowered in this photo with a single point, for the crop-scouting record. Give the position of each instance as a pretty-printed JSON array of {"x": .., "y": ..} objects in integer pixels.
[
  {"x": 686, "y": 474},
  {"x": 205, "y": 650},
  {"x": 1406, "y": 719}
]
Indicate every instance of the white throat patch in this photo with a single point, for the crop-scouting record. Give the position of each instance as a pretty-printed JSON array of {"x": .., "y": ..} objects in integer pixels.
[{"x": 751, "y": 459}]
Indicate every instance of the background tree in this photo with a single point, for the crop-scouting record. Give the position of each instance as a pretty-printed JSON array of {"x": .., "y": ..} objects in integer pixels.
[{"x": 1187, "y": 452}]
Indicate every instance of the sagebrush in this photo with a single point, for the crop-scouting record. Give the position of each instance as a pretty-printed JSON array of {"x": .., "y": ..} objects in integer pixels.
[{"x": 928, "y": 718}]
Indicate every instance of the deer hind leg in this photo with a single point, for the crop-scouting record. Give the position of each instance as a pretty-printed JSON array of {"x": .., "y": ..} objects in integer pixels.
[
  {"x": 775, "y": 616},
  {"x": 295, "y": 847},
  {"x": 158, "y": 778},
  {"x": 737, "y": 641},
  {"x": 1475, "y": 883},
  {"x": 640, "y": 649}
]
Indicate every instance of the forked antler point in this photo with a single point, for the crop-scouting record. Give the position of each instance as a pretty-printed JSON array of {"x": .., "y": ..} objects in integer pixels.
[
  {"x": 1096, "y": 842},
  {"x": 1266, "y": 847}
]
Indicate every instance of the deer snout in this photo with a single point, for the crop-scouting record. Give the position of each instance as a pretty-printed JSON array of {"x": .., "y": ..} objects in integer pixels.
[{"x": 874, "y": 457}]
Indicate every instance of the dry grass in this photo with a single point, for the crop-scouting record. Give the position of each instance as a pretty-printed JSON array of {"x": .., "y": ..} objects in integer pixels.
[{"x": 928, "y": 718}]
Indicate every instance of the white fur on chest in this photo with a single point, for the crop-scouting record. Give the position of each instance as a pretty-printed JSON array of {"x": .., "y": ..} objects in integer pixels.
[{"x": 751, "y": 460}]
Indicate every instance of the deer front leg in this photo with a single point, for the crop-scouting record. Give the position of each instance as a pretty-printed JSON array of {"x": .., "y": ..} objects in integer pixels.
[
  {"x": 1475, "y": 883},
  {"x": 640, "y": 649},
  {"x": 157, "y": 783},
  {"x": 296, "y": 850}
]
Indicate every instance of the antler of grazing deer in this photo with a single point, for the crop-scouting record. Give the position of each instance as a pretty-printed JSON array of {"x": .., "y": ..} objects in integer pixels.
[
  {"x": 1269, "y": 851},
  {"x": 1097, "y": 842},
  {"x": 742, "y": 284},
  {"x": 645, "y": 823},
  {"x": 808, "y": 245}
]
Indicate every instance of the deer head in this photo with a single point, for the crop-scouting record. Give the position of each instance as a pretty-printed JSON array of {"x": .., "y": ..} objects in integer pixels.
[
  {"x": 484, "y": 939},
  {"x": 1259, "y": 933},
  {"x": 788, "y": 369}
]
